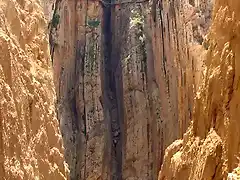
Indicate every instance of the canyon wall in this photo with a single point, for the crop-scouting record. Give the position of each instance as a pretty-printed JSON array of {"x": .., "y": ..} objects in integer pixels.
[
  {"x": 30, "y": 142},
  {"x": 125, "y": 75},
  {"x": 210, "y": 147}
]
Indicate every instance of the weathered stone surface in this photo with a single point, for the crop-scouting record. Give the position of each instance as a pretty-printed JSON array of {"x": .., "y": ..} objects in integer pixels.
[
  {"x": 126, "y": 85},
  {"x": 126, "y": 77},
  {"x": 30, "y": 141},
  {"x": 77, "y": 79},
  {"x": 211, "y": 146}
]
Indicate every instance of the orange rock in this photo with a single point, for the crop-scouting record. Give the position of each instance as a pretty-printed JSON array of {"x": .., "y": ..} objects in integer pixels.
[{"x": 27, "y": 96}]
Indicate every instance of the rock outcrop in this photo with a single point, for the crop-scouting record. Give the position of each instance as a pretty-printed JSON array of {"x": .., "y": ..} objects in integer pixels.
[
  {"x": 210, "y": 148},
  {"x": 30, "y": 141},
  {"x": 125, "y": 75}
]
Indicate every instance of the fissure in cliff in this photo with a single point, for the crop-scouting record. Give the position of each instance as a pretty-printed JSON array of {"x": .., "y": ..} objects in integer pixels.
[
  {"x": 126, "y": 74},
  {"x": 118, "y": 85},
  {"x": 112, "y": 95}
]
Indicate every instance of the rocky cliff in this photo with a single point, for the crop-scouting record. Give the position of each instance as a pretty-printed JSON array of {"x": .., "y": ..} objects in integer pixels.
[
  {"x": 210, "y": 147},
  {"x": 30, "y": 140},
  {"x": 125, "y": 73},
  {"x": 130, "y": 78}
]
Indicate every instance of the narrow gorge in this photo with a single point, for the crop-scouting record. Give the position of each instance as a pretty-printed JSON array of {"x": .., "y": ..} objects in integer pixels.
[
  {"x": 119, "y": 90},
  {"x": 125, "y": 75}
]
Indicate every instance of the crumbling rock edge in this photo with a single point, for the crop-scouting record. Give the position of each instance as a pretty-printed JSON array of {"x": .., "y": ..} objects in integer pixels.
[{"x": 210, "y": 147}]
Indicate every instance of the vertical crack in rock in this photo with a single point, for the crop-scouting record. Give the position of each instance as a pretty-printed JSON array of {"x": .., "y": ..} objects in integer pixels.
[
  {"x": 112, "y": 95},
  {"x": 124, "y": 81}
]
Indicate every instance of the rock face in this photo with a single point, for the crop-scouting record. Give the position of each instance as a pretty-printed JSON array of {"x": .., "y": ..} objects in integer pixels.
[
  {"x": 210, "y": 148},
  {"x": 30, "y": 140},
  {"x": 125, "y": 76}
]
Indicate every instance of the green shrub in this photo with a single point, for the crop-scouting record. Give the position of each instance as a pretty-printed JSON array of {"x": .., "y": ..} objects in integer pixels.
[
  {"x": 93, "y": 23},
  {"x": 55, "y": 20}
]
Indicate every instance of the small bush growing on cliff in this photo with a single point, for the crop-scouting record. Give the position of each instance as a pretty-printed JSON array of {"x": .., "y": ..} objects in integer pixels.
[
  {"x": 55, "y": 20},
  {"x": 136, "y": 19},
  {"x": 93, "y": 23}
]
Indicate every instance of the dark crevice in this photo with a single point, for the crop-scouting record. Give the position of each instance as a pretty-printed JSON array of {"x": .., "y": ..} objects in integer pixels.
[
  {"x": 51, "y": 29},
  {"x": 164, "y": 59},
  {"x": 75, "y": 115},
  {"x": 112, "y": 95},
  {"x": 154, "y": 15}
]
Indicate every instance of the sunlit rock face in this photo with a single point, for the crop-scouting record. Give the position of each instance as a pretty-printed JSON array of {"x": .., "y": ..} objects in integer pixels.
[
  {"x": 210, "y": 148},
  {"x": 30, "y": 142},
  {"x": 125, "y": 76}
]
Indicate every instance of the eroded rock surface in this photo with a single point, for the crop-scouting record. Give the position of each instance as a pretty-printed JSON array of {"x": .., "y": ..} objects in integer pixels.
[
  {"x": 125, "y": 77},
  {"x": 30, "y": 141},
  {"x": 210, "y": 148}
]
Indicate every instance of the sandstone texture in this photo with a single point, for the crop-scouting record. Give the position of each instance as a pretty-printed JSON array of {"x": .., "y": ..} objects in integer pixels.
[
  {"x": 210, "y": 147},
  {"x": 133, "y": 80},
  {"x": 30, "y": 141},
  {"x": 125, "y": 77}
]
